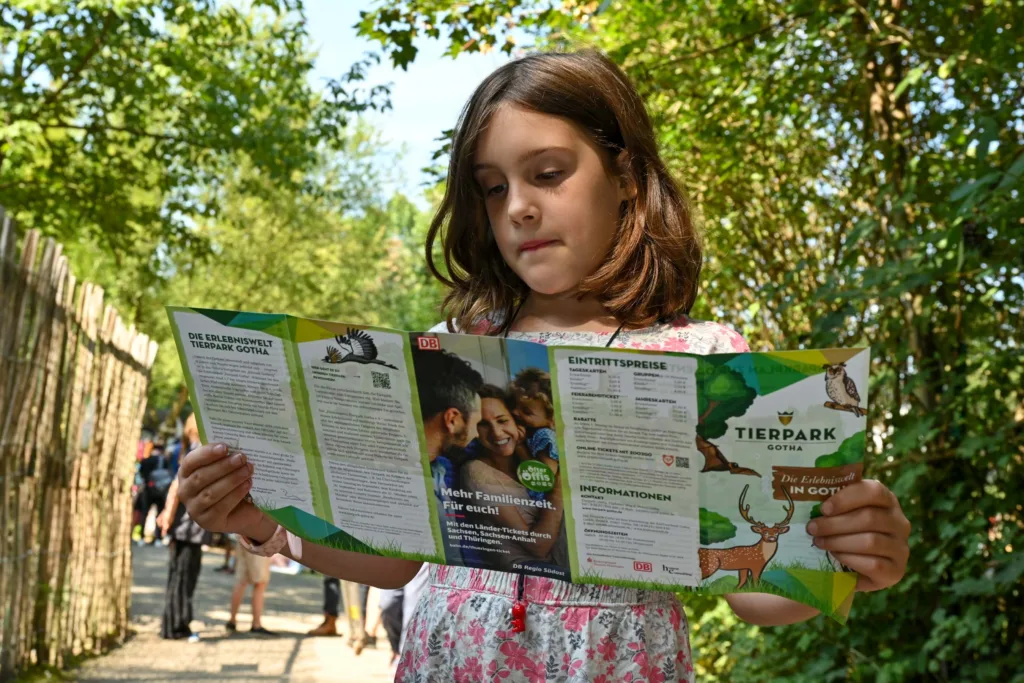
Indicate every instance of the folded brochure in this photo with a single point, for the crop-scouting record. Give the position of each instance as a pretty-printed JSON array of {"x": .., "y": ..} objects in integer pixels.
[{"x": 649, "y": 469}]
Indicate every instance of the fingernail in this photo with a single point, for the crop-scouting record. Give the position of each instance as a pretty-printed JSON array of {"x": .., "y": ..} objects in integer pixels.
[
  {"x": 252, "y": 468},
  {"x": 220, "y": 449},
  {"x": 826, "y": 508},
  {"x": 820, "y": 542},
  {"x": 237, "y": 459},
  {"x": 244, "y": 459},
  {"x": 812, "y": 528}
]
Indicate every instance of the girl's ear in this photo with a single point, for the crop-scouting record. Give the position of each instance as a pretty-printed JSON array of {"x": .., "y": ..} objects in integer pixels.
[{"x": 626, "y": 184}]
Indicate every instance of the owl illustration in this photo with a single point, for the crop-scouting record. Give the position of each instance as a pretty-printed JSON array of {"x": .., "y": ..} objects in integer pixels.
[{"x": 841, "y": 389}]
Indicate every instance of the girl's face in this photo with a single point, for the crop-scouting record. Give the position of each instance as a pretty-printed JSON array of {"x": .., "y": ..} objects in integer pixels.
[
  {"x": 552, "y": 203},
  {"x": 497, "y": 430},
  {"x": 533, "y": 413}
]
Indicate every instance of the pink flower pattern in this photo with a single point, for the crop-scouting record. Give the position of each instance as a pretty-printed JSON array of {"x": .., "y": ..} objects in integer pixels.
[
  {"x": 605, "y": 634},
  {"x": 576, "y": 618}
]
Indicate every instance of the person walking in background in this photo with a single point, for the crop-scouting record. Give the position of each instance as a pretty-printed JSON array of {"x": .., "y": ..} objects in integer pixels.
[
  {"x": 355, "y": 614},
  {"x": 391, "y": 619},
  {"x": 186, "y": 559},
  {"x": 332, "y": 605},
  {"x": 228, "y": 541},
  {"x": 157, "y": 477},
  {"x": 251, "y": 570}
]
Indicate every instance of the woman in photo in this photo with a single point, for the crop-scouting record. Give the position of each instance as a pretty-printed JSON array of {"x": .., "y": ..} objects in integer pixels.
[{"x": 493, "y": 472}]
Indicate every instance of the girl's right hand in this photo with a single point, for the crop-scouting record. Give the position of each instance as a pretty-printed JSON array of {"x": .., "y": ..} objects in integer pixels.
[{"x": 213, "y": 483}]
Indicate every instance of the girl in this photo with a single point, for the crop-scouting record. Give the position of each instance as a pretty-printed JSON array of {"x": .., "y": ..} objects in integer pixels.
[{"x": 560, "y": 224}]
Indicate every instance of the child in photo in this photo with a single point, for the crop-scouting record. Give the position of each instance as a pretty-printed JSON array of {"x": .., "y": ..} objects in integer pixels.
[{"x": 535, "y": 410}]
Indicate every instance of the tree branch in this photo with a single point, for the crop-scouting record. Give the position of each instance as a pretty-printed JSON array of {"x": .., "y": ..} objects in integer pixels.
[
  {"x": 732, "y": 43},
  {"x": 52, "y": 95},
  {"x": 95, "y": 128},
  {"x": 19, "y": 60}
]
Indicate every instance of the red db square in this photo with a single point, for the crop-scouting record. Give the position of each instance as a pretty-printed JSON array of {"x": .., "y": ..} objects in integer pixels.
[
  {"x": 642, "y": 566},
  {"x": 429, "y": 343}
]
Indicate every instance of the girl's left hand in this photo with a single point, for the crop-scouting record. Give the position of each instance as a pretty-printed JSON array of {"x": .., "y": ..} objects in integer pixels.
[{"x": 864, "y": 527}]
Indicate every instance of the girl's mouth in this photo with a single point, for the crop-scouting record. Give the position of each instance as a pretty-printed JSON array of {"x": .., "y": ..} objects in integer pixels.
[
  {"x": 501, "y": 442},
  {"x": 534, "y": 245}
]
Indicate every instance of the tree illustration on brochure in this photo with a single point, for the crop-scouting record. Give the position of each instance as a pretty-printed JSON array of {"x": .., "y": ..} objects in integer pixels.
[
  {"x": 715, "y": 528},
  {"x": 724, "y": 394},
  {"x": 850, "y": 452}
]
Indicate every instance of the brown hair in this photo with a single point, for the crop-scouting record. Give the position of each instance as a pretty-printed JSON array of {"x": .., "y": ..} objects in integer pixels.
[
  {"x": 491, "y": 391},
  {"x": 533, "y": 384},
  {"x": 653, "y": 271}
]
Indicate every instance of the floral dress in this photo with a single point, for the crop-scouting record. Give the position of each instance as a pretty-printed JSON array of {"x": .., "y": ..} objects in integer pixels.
[{"x": 461, "y": 629}]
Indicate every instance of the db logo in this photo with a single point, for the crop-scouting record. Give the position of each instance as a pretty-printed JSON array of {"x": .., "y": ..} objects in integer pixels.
[
  {"x": 642, "y": 566},
  {"x": 429, "y": 343}
]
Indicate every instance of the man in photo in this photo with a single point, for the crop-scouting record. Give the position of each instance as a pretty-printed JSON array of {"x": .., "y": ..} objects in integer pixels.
[{"x": 450, "y": 405}]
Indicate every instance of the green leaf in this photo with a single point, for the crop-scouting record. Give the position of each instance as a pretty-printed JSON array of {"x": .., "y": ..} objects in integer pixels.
[
  {"x": 912, "y": 77},
  {"x": 971, "y": 187}
]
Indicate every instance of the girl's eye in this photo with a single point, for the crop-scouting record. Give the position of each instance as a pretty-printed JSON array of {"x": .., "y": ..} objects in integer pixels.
[
  {"x": 549, "y": 175},
  {"x": 495, "y": 190}
]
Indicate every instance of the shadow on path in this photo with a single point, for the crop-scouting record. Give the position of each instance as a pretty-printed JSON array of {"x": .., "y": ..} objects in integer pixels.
[{"x": 293, "y": 606}]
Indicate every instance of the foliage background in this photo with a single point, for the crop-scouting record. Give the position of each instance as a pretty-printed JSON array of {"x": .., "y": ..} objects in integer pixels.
[{"x": 857, "y": 166}]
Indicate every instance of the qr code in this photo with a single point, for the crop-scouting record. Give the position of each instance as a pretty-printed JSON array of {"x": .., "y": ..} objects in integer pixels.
[
  {"x": 381, "y": 380},
  {"x": 682, "y": 462}
]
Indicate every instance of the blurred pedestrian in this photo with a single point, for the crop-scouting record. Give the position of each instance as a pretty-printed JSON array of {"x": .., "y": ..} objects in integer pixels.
[
  {"x": 391, "y": 618},
  {"x": 355, "y": 612},
  {"x": 186, "y": 561},
  {"x": 332, "y": 607},
  {"x": 228, "y": 543},
  {"x": 250, "y": 570},
  {"x": 155, "y": 471}
]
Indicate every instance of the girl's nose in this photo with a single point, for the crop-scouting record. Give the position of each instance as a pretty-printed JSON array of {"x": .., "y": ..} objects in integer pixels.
[{"x": 521, "y": 208}]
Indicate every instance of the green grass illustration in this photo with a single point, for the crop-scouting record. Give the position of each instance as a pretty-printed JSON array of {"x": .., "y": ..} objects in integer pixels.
[
  {"x": 339, "y": 538},
  {"x": 592, "y": 576},
  {"x": 388, "y": 548},
  {"x": 729, "y": 582}
]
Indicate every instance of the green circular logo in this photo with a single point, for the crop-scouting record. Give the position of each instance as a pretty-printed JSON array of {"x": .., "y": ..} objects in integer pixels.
[{"x": 536, "y": 476}]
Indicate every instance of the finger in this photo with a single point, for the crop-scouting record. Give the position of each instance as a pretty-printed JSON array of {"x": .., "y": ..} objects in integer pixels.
[
  {"x": 865, "y": 493},
  {"x": 200, "y": 505},
  {"x": 229, "y": 502},
  {"x": 874, "y": 519},
  {"x": 866, "y": 585},
  {"x": 204, "y": 476},
  {"x": 880, "y": 571},
  {"x": 879, "y": 545},
  {"x": 201, "y": 457}
]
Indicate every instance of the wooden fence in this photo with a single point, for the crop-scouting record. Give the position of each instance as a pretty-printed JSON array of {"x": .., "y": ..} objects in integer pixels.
[{"x": 73, "y": 382}]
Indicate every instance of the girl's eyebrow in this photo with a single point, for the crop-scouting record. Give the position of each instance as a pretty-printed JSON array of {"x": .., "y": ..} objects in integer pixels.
[{"x": 524, "y": 157}]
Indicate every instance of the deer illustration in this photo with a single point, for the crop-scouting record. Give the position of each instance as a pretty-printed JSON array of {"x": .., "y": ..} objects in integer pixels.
[{"x": 748, "y": 560}]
